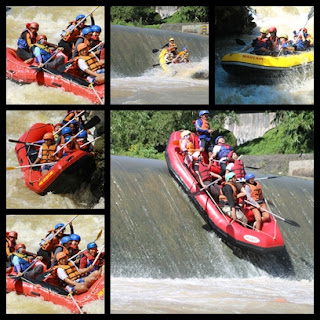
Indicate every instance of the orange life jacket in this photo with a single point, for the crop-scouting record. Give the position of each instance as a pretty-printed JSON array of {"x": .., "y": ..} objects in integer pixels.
[
  {"x": 85, "y": 41},
  {"x": 47, "y": 153},
  {"x": 205, "y": 126},
  {"x": 92, "y": 62},
  {"x": 72, "y": 36},
  {"x": 71, "y": 271},
  {"x": 64, "y": 249},
  {"x": 223, "y": 198},
  {"x": 51, "y": 245},
  {"x": 256, "y": 191},
  {"x": 189, "y": 146}
]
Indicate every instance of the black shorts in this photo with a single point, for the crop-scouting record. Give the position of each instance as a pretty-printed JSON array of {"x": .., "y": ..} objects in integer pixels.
[
  {"x": 23, "y": 54},
  {"x": 207, "y": 145}
]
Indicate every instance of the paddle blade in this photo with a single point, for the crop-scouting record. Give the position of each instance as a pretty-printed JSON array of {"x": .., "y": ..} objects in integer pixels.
[
  {"x": 98, "y": 236},
  {"x": 92, "y": 122},
  {"x": 155, "y": 50},
  {"x": 10, "y": 168},
  {"x": 293, "y": 223},
  {"x": 310, "y": 15}
]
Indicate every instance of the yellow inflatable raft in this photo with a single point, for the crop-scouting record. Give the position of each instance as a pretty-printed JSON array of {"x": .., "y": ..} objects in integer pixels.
[{"x": 247, "y": 65}]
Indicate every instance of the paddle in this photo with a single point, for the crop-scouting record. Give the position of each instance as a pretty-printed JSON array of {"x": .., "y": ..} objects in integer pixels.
[
  {"x": 29, "y": 166},
  {"x": 37, "y": 68},
  {"x": 89, "y": 142},
  {"x": 26, "y": 143},
  {"x": 155, "y": 50},
  {"x": 77, "y": 115},
  {"x": 213, "y": 182},
  {"x": 96, "y": 93},
  {"x": 293, "y": 223},
  {"x": 265, "y": 178},
  {"x": 51, "y": 236},
  {"x": 75, "y": 302},
  {"x": 100, "y": 251},
  {"x": 310, "y": 15},
  {"x": 72, "y": 27},
  {"x": 31, "y": 265},
  {"x": 158, "y": 64}
]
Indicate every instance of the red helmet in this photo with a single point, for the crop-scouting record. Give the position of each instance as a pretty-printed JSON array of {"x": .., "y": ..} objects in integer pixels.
[
  {"x": 41, "y": 36},
  {"x": 13, "y": 234},
  {"x": 272, "y": 29},
  {"x": 304, "y": 30},
  {"x": 32, "y": 25},
  {"x": 19, "y": 245}
]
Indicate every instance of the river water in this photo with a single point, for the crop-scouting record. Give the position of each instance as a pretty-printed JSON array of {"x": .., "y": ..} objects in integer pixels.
[
  {"x": 52, "y": 20},
  {"x": 31, "y": 228},
  {"x": 163, "y": 259},
  {"x": 135, "y": 81},
  {"x": 293, "y": 90},
  {"x": 17, "y": 194}
]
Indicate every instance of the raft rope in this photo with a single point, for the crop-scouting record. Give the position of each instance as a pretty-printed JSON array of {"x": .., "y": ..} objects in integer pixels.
[{"x": 75, "y": 302}]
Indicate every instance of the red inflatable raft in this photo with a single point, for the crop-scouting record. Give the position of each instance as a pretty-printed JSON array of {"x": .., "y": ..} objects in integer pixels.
[
  {"x": 64, "y": 177},
  {"x": 268, "y": 239},
  {"x": 21, "y": 72},
  {"x": 56, "y": 295}
]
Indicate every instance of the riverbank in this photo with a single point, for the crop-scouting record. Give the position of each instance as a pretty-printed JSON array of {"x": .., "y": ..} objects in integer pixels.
[{"x": 300, "y": 165}]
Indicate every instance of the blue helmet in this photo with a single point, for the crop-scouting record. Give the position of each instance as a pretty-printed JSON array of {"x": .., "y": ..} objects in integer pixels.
[
  {"x": 80, "y": 16},
  {"x": 58, "y": 226},
  {"x": 217, "y": 139},
  {"x": 75, "y": 237},
  {"x": 83, "y": 134},
  {"x": 96, "y": 28},
  {"x": 202, "y": 112},
  {"x": 91, "y": 245},
  {"x": 73, "y": 121},
  {"x": 249, "y": 176},
  {"x": 67, "y": 139},
  {"x": 86, "y": 31},
  {"x": 66, "y": 130},
  {"x": 186, "y": 48},
  {"x": 65, "y": 239}
]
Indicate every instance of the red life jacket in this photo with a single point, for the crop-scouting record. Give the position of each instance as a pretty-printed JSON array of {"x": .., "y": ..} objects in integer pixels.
[
  {"x": 204, "y": 171},
  {"x": 11, "y": 245},
  {"x": 238, "y": 169},
  {"x": 91, "y": 258}
]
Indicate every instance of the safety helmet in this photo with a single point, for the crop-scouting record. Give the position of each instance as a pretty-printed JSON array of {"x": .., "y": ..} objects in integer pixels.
[
  {"x": 91, "y": 245},
  {"x": 171, "y": 39},
  {"x": 48, "y": 136},
  {"x": 80, "y": 16},
  {"x": 19, "y": 245},
  {"x": 96, "y": 28},
  {"x": 202, "y": 112},
  {"x": 66, "y": 130},
  {"x": 65, "y": 239},
  {"x": 58, "y": 226},
  {"x": 196, "y": 155},
  {"x": 264, "y": 30},
  {"x": 229, "y": 176},
  {"x": 185, "y": 133},
  {"x": 284, "y": 36},
  {"x": 185, "y": 48},
  {"x": 83, "y": 134},
  {"x": 32, "y": 24},
  {"x": 304, "y": 30},
  {"x": 60, "y": 255},
  {"x": 230, "y": 154},
  {"x": 249, "y": 176},
  {"x": 272, "y": 29},
  {"x": 75, "y": 237},
  {"x": 41, "y": 36},
  {"x": 13, "y": 234},
  {"x": 59, "y": 124},
  {"x": 86, "y": 31},
  {"x": 217, "y": 139},
  {"x": 81, "y": 46}
]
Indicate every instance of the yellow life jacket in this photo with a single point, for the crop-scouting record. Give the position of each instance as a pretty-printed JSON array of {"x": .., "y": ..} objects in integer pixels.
[
  {"x": 92, "y": 62},
  {"x": 47, "y": 153}
]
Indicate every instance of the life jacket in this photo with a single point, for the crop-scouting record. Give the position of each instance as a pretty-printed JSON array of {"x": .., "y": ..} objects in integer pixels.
[
  {"x": 91, "y": 258},
  {"x": 204, "y": 171},
  {"x": 92, "y": 62},
  {"x": 71, "y": 114},
  {"x": 238, "y": 169},
  {"x": 186, "y": 146},
  {"x": 163, "y": 53},
  {"x": 71, "y": 271},
  {"x": 94, "y": 42},
  {"x": 23, "y": 261},
  {"x": 72, "y": 36},
  {"x": 22, "y": 42},
  {"x": 183, "y": 55},
  {"x": 11, "y": 245},
  {"x": 223, "y": 198},
  {"x": 86, "y": 147},
  {"x": 274, "y": 43},
  {"x": 44, "y": 51},
  {"x": 47, "y": 153},
  {"x": 85, "y": 41},
  {"x": 256, "y": 191},
  {"x": 202, "y": 124},
  {"x": 260, "y": 43},
  {"x": 75, "y": 248},
  {"x": 67, "y": 151},
  {"x": 102, "y": 54},
  {"x": 50, "y": 245},
  {"x": 224, "y": 150},
  {"x": 310, "y": 39}
]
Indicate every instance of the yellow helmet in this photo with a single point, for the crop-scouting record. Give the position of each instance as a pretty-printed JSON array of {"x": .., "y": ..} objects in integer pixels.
[
  {"x": 264, "y": 30},
  {"x": 284, "y": 36},
  {"x": 171, "y": 39},
  {"x": 185, "y": 133}
]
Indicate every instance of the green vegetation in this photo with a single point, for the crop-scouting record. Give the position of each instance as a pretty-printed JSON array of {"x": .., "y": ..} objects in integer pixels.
[
  {"x": 145, "y": 16},
  {"x": 145, "y": 133}
]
